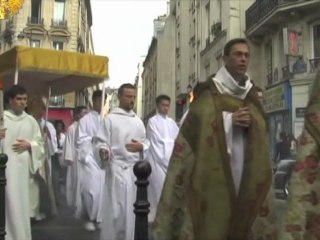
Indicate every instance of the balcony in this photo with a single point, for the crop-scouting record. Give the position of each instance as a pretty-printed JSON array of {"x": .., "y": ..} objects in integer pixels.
[
  {"x": 314, "y": 65},
  {"x": 270, "y": 12},
  {"x": 58, "y": 23},
  {"x": 35, "y": 21}
]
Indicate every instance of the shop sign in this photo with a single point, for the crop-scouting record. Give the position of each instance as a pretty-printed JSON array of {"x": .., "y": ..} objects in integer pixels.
[{"x": 275, "y": 99}]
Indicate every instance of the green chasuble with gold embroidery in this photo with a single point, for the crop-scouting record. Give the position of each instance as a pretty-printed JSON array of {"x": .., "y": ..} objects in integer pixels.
[
  {"x": 199, "y": 200},
  {"x": 302, "y": 220}
]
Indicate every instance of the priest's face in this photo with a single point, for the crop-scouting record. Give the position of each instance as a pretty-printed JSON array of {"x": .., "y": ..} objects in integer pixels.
[
  {"x": 18, "y": 103},
  {"x": 238, "y": 59},
  {"x": 127, "y": 99},
  {"x": 163, "y": 107}
]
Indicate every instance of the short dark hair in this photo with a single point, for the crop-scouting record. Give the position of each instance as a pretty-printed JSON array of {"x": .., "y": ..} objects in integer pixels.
[
  {"x": 161, "y": 98},
  {"x": 78, "y": 109},
  {"x": 14, "y": 91},
  {"x": 259, "y": 89},
  {"x": 97, "y": 94},
  {"x": 123, "y": 86},
  {"x": 57, "y": 122},
  {"x": 231, "y": 43}
]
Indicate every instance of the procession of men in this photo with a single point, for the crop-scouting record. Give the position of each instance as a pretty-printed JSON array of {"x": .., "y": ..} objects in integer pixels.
[
  {"x": 99, "y": 181},
  {"x": 211, "y": 177}
]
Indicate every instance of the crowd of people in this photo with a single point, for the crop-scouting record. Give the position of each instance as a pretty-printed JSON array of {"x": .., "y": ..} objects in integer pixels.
[
  {"x": 90, "y": 157},
  {"x": 211, "y": 177}
]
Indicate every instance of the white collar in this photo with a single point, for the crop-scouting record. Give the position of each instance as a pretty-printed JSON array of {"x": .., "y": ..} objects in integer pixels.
[{"x": 226, "y": 84}]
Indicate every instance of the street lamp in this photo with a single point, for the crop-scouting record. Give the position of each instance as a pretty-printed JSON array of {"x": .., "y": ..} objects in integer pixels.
[{"x": 21, "y": 36}]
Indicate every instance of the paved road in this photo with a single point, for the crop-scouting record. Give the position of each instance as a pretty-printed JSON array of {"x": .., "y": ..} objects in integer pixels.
[
  {"x": 281, "y": 206},
  {"x": 62, "y": 227},
  {"x": 65, "y": 227}
]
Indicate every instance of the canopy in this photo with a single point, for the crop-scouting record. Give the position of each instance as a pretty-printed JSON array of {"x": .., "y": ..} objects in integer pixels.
[{"x": 63, "y": 71}]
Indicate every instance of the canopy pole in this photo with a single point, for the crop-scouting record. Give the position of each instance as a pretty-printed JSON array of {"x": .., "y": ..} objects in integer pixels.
[
  {"x": 103, "y": 97},
  {"x": 16, "y": 73},
  {"x": 47, "y": 104},
  {"x": 1, "y": 112}
]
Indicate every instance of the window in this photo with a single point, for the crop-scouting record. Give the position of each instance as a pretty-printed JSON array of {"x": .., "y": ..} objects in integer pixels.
[
  {"x": 268, "y": 57},
  {"x": 59, "y": 9},
  {"x": 315, "y": 48},
  {"x": 207, "y": 70},
  {"x": 57, "y": 101},
  {"x": 36, "y": 11},
  {"x": 316, "y": 40},
  {"x": 208, "y": 19},
  {"x": 58, "y": 45},
  {"x": 219, "y": 61},
  {"x": 35, "y": 43}
]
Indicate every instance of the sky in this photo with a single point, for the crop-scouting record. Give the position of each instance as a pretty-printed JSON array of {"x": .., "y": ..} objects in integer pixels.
[{"x": 122, "y": 30}]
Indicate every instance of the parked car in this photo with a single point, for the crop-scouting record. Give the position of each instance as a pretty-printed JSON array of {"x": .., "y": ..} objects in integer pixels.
[{"x": 282, "y": 178}]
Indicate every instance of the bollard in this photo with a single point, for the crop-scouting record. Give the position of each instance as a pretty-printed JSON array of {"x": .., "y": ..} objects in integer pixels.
[
  {"x": 3, "y": 181},
  {"x": 142, "y": 170}
]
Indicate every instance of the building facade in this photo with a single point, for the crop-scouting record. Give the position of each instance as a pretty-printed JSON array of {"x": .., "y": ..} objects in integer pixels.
[
  {"x": 149, "y": 78},
  {"x": 221, "y": 21},
  {"x": 179, "y": 10},
  {"x": 286, "y": 47},
  {"x": 138, "y": 84},
  {"x": 53, "y": 24},
  {"x": 202, "y": 28},
  {"x": 159, "y": 66}
]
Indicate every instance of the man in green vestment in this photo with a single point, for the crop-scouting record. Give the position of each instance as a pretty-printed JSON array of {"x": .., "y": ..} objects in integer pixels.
[
  {"x": 302, "y": 219},
  {"x": 218, "y": 185}
]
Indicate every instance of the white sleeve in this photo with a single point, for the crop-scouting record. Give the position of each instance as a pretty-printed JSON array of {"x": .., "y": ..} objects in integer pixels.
[
  {"x": 228, "y": 129},
  {"x": 146, "y": 145},
  {"x": 102, "y": 140},
  {"x": 68, "y": 147},
  {"x": 53, "y": 134},
  {"x": 83, "y": 141}
]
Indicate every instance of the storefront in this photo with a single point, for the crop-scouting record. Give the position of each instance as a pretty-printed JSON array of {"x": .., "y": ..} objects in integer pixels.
[{"x": 277, "y": 104}]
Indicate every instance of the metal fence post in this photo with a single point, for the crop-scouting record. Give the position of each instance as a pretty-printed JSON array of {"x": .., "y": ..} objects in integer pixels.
[
  {"x": 3, "y": 181},
  {"x": 142, "y": 170}
]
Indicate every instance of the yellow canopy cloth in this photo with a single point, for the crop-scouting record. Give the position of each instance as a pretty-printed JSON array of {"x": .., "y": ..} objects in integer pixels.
[
  {"x": 9, "y": 8},
  {"x": 63, "y": 71}
]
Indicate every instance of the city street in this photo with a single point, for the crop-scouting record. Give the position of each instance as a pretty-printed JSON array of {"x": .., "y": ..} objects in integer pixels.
[
  {"x": 65, "y": 227},
  {"x": 281, "y": 208},
  {"x": 62, "y": 227}
]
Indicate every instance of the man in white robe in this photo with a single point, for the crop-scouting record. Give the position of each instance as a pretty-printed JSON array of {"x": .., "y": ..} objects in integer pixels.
[
  {"x": 51, "y": 139},
  {"x": 120, "y": 143},
  {"x": 22, "y": 142},
  {"x": 161, "y": 132},
  {"x": 42, "y": 200},
  {"x": 50, "y": 135},
  {"x": 70, "y": 159},
  {"x": 92, "y": 177}
]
